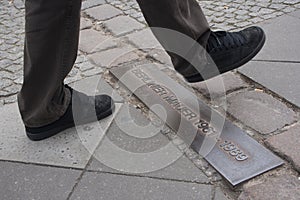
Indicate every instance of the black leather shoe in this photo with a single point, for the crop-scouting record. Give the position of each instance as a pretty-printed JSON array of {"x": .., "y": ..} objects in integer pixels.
[
  {"x": 230, "y": 50},
  {"x": 87, "y": 109}
]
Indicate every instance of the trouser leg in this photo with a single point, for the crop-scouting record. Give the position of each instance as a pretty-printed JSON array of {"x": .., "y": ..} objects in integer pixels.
[
  {"x": 184, "y": 16},
  {"x": 51, "y": 42}
]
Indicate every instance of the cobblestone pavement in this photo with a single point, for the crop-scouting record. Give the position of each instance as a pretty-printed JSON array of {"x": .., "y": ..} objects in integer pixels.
[
  {"x": 121, "y": 30},
  {"x": 224, "y": 14}
]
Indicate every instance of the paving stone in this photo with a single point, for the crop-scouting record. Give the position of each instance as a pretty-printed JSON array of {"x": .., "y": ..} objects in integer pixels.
[
  {"x": 21, "y": 181},
  {"x": 287, "y": 144},
  {"x": 114, "y": 56},
  {"x": 284, "y": 80},
  {"x": 274, "y": 188},
  {"x": 295, "y": 14},
  {"x": 90, "y": 39},
  {"x": 103, "y": 12},
  {"x": 219, "y": 195},
  {"x": 70, "y": 148},
  {"x": 91, "y": 3},
  {"x": 128, "y": 133},
  {"x": 260, "y": 111},
  {"x": 182, "y": 169},
  {"x": 220, "y": 86},
  {"x": 109, "y": 186},
  {"x": 85, "y": 23},
  {"x": 282, "y": 39},
  {"x": 133, "y": 145},
  {"x": 144, "y": 40},
  {"x": 122, "y": 25}
]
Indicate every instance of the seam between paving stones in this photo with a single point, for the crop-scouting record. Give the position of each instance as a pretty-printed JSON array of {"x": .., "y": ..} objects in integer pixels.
[
  {"x": 42, "y": 165},
  {"x": 150, "y": 177},
  {"x": 84, "y": 170}
]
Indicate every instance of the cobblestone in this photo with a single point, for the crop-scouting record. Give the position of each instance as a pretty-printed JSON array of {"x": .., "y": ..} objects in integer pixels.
[
  {"x": 103, "y": 12},
  {"x": 277, "y": 188},
  {"x": 113, "y": 56},
  {"x": 260, "y": 111},
  {"x": 287, "y": 144},
  {"x": 122, "y": 25},
  {"x": 224, "y": 15},
  {"x": 231, "y": 81},
  {"x": 90, "y": 39}
]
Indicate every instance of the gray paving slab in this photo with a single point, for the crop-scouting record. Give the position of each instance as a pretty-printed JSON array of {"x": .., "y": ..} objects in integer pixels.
[
  {"x": 133, "y": 145},
  {"x": 181, "y": 169},
  {"x": 219, "y": 195},
  {"x": 120, "y": 187},
  {"x": 144, "y": 40},
  {"x": 295, "y": 14},
  {"x": 103, "y": 12},
  {"x": 85, "y": 23},
  {"x": 260, "y": 111},
  {"x": 91, "y": 3},
  {"x": 71, "y": 148},
  {"x": 215, "y": 89},
  {"x": 22, "y": 181},
  {"x": 113, "y": 57},
  {"x": 281, "y": 78},
  {"x": 122, "y": 25},
  {"x": 283, "y": 39},
  {"x": 91, "y": 40}
]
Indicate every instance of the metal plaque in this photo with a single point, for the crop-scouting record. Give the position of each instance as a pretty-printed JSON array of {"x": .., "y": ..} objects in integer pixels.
[{"x": 234, "y": 154}]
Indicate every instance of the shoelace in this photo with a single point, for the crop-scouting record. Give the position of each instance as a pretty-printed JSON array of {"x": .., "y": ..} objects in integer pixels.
[{"x": 222, "y": 40}]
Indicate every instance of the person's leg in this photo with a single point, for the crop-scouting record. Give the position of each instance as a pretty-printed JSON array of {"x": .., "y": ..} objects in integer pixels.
[
  {"x": 47, "y": 105},
  {"x": 184, "y": 16},
  {"x": 51, "y": 40}
]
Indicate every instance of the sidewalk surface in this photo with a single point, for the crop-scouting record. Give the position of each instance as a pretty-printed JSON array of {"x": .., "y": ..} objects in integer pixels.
[{"x": 262, "y": 97}]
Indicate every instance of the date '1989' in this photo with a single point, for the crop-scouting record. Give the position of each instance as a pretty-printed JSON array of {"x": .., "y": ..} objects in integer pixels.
[{"x": 232, "y": 150}]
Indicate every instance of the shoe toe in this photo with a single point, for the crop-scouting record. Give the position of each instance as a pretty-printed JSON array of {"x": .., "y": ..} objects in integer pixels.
[
  {"x": 254, "y": 35},
  {"x": 103, "y": 103}
]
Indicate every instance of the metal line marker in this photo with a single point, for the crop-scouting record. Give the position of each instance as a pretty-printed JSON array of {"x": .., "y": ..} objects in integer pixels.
[{"x": 234, "y": 154}]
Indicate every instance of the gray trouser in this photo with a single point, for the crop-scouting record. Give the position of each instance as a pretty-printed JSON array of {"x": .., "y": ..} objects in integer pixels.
[{"x": 51, "y": 44}]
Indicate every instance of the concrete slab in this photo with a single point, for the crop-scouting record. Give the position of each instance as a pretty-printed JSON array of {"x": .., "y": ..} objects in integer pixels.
[
  {"x": 68, "y": 148},
  {"x": 134, "y": 145},
  {"x": 120, "y": 187},
  {"x": 23, "y": 181},
  {"x": 281, "y": 78},
  {"x": 283, "y": 39},
  {"x": 181, "y": 169}
]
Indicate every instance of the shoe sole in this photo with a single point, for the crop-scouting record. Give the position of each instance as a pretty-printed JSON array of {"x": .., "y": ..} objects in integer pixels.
[
  {"x": 234, "y": 66},
  {"x": 52, "y": 132}
]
